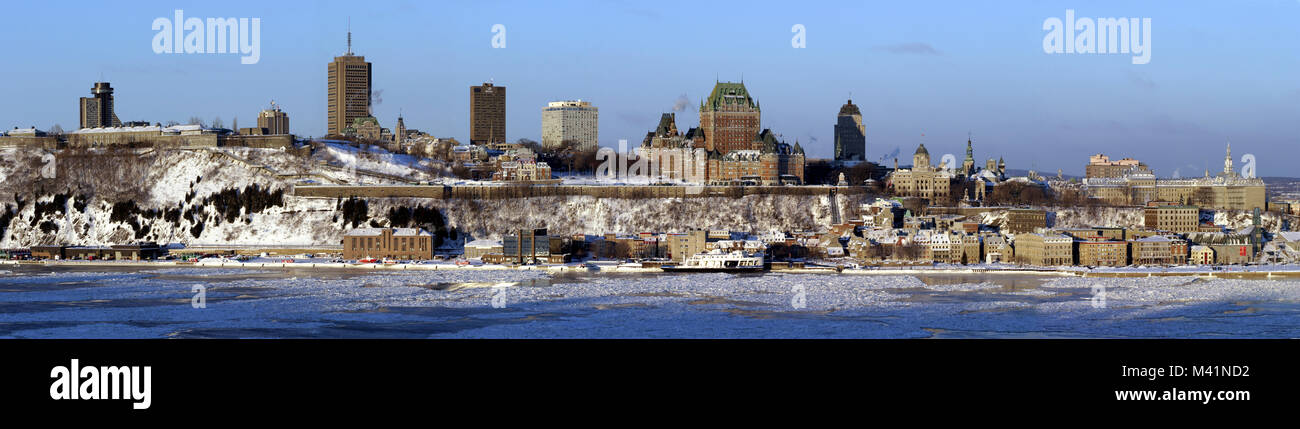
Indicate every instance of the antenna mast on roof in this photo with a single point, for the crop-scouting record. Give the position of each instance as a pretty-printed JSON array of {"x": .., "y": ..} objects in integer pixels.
[{"x": 349, "y": 35}]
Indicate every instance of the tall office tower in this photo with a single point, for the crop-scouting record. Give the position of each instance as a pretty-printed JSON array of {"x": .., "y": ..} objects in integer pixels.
[
  {"x": 274, "y": 120},
  {"x": 850, "y": 134},
  {"x": 349, "y": 90},
  {"x": 97, "y": 109},
  {"x": 730, "y": 119},
  {"x": 569, "y": 120},
  {"x": 487, "y": 114}
]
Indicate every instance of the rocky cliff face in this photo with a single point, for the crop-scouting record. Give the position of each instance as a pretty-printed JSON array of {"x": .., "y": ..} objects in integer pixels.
[{"x": 201, "y": 197}]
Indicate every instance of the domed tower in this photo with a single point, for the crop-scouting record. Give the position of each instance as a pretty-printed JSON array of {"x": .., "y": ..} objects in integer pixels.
[{"x": 921, "y": 159}]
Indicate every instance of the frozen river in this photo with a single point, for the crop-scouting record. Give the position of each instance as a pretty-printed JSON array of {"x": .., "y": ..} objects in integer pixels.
[{"x": 135, "y": 302}]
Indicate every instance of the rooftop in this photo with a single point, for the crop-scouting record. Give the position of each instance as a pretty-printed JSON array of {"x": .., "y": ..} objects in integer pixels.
[{"x": 397, "y": 232}]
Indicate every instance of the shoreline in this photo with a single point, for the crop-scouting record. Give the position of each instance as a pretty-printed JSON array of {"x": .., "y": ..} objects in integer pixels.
[{"x": 1280, "y": 274}]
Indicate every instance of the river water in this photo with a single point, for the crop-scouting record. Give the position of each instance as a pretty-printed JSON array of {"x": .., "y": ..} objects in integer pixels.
[{"x": 163, "y": 302}]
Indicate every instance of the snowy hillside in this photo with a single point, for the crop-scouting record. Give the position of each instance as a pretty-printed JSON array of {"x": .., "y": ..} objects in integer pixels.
[{"x": 243, "y": 196}]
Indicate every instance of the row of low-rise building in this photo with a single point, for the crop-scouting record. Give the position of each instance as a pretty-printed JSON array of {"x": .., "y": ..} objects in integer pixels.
[
  {"x": 1170, "y": 235},
  {"x": 1047, "y": 248},
  {"x": 129, "y": 252}
]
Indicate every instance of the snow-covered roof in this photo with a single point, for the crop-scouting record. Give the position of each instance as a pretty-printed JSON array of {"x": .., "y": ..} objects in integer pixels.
[
  {"x": 1289, "y": 235},
  {"x": 1153, "y": 238},
  {"x": 484, "y": 243},
  {"x": 31, "y": 131},
  {"x": 397, "y": 232},
  {"x": 409, "y": 232},
  {"x": 148, "y": 128},
  {"x": 1051, "y": 236}
]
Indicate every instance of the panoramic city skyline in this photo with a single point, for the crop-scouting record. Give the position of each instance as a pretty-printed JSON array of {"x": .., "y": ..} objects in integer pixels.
[
  {"x": 398, "y": 170},
  {"x": 1037, "y": 110}
]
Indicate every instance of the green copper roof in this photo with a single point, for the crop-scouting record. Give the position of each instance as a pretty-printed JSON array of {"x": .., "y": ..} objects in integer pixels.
[
  {"x": 364, "y": 119},
  {"x": 769, "y": 140},
  {"x": 729, "y": 94}
]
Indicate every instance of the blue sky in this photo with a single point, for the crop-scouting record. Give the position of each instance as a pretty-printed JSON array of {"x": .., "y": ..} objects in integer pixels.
[{"x": 1219, "y": 71}]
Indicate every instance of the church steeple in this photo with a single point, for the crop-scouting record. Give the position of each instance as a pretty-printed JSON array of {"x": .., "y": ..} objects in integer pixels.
[
  {"x": 968, "y": 166},
  {"x": 1227, "y": 162}
]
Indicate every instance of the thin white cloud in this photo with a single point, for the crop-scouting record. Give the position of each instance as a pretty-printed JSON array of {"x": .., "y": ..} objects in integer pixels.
[{"x": 910, "y": 48}]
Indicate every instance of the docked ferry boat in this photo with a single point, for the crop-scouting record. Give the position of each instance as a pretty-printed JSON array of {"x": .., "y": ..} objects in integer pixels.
[{"x": 716, "y": 261}]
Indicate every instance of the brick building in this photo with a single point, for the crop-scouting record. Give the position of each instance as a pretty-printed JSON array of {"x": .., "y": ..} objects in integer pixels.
[
  {"x": 1172, "y": 218},
  {"x": 1160, "y": 249},
  {"x": 727, "y": 148},
  {"x": 1101, "y": 252},
  {"x": 1025, "y": 220},
  {"x": 395, "y": 243},
  {"x": 730, "y": 118},
  {"x": 1102, "y": 166},
  {"x": 487, "y": 114}
]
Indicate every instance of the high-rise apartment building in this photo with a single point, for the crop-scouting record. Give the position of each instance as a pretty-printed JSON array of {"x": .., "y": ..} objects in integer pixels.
[
  {"x": 273, "y": 120},
  {"x": 569, "y": 121},
  {"x": 97, "y": 109},
  {"x": 487, "y": 114},
  {"x": 730, "y": 119},
  {"x": 348, "y": 90},
  {"x": 850, "y": 134}
]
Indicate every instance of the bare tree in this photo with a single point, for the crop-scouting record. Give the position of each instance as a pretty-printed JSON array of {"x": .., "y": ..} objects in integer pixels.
[
  {"x": 194, "y": 120},
  {"x": 218, "y": 123},
  {"x": 56, "y": 130}
]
